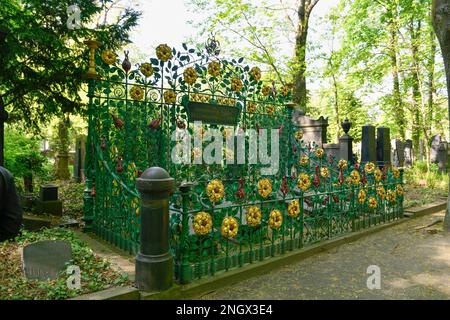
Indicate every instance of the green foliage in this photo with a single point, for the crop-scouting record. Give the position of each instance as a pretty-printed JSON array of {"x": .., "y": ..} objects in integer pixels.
[
  {"x": 23, "y": 156},
  {"x": 43, "y": 62},
  {"x": 424, "y": 185},
  {"x": 96, "y": 273},
  {"x": 71, "y": 194}
]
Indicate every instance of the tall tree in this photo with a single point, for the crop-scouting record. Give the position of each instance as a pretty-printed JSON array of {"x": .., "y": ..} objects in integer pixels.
[
  {"x": 42, "y": 72},
  {"x": 304, "y": 10},
  {"x": 264, "y": 26},
  {"x": 441, "y": 22}
]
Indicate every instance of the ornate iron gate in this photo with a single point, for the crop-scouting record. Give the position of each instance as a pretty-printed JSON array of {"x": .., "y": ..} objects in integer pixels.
[{"x": 223, "y": 214}]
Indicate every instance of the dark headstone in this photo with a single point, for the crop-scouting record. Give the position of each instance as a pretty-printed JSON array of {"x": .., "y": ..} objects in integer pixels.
[
  {"x": 44, "y": 260},
  {"x": 400, "y": 153},
  {"x": 408, "y": 152},
  {"x": 78, "y": 163},
  {"x": 383, "y": 146},
  {"x": 313, "y": 130},
  {"x": 368, "y": 144},
  {"x": 442, "y": 157},
  {"x": 48, "y": 192},
  {"x": 435, "y": 142}
]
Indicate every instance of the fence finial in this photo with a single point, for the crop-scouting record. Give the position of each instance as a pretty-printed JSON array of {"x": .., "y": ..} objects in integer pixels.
[{"x": 92, "y": 45}]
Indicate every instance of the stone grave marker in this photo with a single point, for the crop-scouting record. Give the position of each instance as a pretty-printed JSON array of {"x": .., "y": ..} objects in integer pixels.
[
  {"x": 43, "y": 260},
  {"x": 435, "y": 142},
  {"x": 408, "y": 152}
]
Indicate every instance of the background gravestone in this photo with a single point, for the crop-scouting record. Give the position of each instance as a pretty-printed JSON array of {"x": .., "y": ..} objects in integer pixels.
[
  {"x": 442, "y": 157},
  {"x": 383, "y": 146},
  {"x": 368, "y": 144},
  {"x": 313, "y": 130},
  {"x": 78, "y": 164},
  {"x": 400, "y": 152},
  {"x": 44, "y": 260},
  {"x": 408, "y": 152},
  {"x": 435, "y": 142}
]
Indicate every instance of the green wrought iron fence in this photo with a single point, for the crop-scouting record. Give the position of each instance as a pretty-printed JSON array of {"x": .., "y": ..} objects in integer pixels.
[{"x": 226, "y": 214}]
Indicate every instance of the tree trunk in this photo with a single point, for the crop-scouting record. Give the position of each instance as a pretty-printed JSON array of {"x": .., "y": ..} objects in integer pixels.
[
  {"x": 300, "y": 96},
  {"x": 428, "y": 125},
  {"x": 398, "y": 104},
  {"x": 336, "y": 108},
  {"x": 416, "y": 94},
  {"x": 441, "y": 23},
  {"x": 299, "y": 61}
]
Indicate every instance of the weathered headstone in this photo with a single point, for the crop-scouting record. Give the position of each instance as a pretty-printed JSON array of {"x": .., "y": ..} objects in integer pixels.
[
  {"x": 368, "y": 144},
  {"x": 44, "y": 260},
  {"x": 383, "y": 146},
  {"x": 331, "y": 149},
  {"x": 78, "y": 164},
  {"x": 313, "y": 130},
  {"x": 435, "y": 142},
  {"x": 442, "y": 157},
  {"x": 408, "y": 152},
  {"x": 400, "y": 153},
  {"x": 48, "y": 201}
]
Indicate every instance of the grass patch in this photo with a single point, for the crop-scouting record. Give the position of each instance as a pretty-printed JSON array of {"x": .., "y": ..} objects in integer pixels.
[
  {"x": 96, "y": 273},
  {"x": 423, "y": 186}
]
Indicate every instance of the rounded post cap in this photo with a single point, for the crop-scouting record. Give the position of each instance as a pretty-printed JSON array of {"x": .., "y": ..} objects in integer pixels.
[{"x": 155, "y": 179}]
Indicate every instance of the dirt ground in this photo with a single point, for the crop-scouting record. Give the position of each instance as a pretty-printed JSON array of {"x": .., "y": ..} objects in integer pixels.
[{"x": 413, "y": 260}]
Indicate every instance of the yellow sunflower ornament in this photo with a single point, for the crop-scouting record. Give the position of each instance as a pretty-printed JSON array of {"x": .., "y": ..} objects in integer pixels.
[
  {"x": 391, "y": 196},
  {"x": 255, "y": 72},
  {"x": 381, "y": 192},
  {"x": 236, "y": 84},
  {"x": 170, "y": 96},
  {"x": 264, "y": 187},
  {"x": 229, "y": 227},
  {"x": 214, "y": 68},
  {"x": 396, "y": 173},
  {"x": 265, "y": 90},
  {"x": 304, "y": 161},
  {"x": 109, "y": 57},
  {"x": 343, "y": 164},
  {"x": 304, "y": 181},
  {"x": 377, "y": 174},
  {"x": 355, "y": 177},
  {"x": 369, "y": 167},
  {"x": 190, "y": 75},
  {"x": 399, "y": 189},
  {"x": 298, "y": 135},
  {"x": 361, "y": 196},
  {"x": 319, "y": 152},
  {"x": 294, "y": 208},
  {"x": 202, "y": 223},
  {"x": 146, "y": 69},
  {"x": 254, "y": 216},
  {"x": 215, "y": 190},
  {"x": 275, "y": 219},
  {"x": 164, "y": 52},
  {"x": 324, "y": 172},
  {"x": 372, "y": 203},
  {"x": 136, "y": 93}
]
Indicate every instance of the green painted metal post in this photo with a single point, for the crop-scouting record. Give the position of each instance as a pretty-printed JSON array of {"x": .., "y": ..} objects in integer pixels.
[
  {"x": 88, "y": 199},
  {"x": 154, "y": 263},
  {"x": 185, "y": 268}
]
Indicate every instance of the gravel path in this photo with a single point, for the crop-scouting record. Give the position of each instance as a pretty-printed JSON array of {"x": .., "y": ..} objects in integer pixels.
[{"x": 413, "y": 257}]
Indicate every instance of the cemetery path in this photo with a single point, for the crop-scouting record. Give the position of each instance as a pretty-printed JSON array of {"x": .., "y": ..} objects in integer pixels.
[{"x": 414, "y": 260}]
